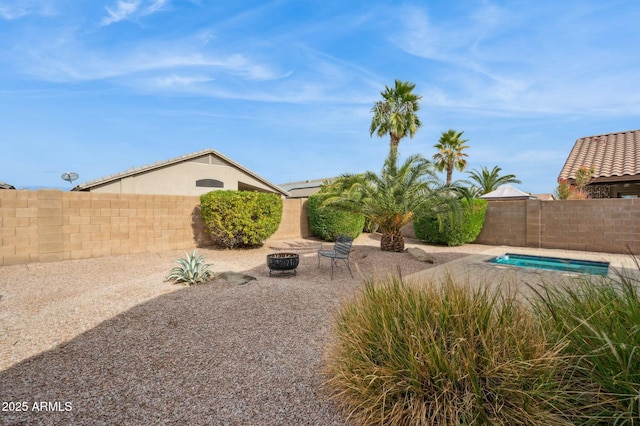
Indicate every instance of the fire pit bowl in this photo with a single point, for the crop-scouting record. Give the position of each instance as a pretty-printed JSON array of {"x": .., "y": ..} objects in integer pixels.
[{"x": 282, "y": 262}]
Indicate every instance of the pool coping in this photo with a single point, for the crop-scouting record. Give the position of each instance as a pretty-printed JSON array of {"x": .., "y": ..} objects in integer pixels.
[{"x": 475, "y": 269}]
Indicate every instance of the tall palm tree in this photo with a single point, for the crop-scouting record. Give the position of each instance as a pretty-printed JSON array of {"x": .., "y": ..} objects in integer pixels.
[
  {"x": 487, "y": 181},
  {"x": 389, "y": 199},
  {"x": 396, "y": 114},
  {"x": 450, "y": 155}
]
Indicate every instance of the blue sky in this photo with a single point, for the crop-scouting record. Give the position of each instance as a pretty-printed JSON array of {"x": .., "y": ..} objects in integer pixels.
[{"x": 286, "y": 87}]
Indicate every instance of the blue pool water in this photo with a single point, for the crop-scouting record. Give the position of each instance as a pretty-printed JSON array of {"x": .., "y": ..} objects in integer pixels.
[{"x": 553, "y": 263}]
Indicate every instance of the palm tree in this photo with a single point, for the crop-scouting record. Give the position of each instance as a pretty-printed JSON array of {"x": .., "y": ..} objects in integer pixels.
[
  {"x": 396, "y": 114},
  {"x": 390, "y": 199},
  {"x": 487, "y": 181},
  {"x": 450, "y": 155}
]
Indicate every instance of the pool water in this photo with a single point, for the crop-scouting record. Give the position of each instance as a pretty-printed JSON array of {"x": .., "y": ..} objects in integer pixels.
[{"x": 553, "y": 263}]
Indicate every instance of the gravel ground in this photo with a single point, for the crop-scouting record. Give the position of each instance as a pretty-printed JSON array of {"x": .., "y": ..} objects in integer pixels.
[{"x": 106, "y": 341}]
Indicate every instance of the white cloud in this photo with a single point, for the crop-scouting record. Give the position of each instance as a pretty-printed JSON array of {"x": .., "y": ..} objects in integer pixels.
[
  {"x": 126, "y": 9},
  {"x": 155, "y": 6},
  {"x": 556, "y": 67},
  {"x": 122, "y": 10},
  {"x": 12, "y": 12},
  {"x": 179, "y": 81},
  {"x": 16, "y": 9}
]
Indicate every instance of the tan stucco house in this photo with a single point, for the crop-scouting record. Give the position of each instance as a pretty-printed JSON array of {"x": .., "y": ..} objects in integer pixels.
[
  {"x": 615, "y": 158},
  {"x": 191, "y": 174}
]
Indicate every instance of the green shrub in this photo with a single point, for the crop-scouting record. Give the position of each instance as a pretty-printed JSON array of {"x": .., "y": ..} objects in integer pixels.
[
  {"x": 600, "y": 319},
  {"x": 240, "y": 218},
  {"x": 454, "y": 229},
  {"x": 443, "y": 355},
  {"x": 327, "y": 222},
  {"x": 192, "y": 270}
]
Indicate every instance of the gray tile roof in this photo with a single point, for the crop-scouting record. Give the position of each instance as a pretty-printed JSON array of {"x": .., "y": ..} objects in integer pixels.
[
  {"x": 313, "y": 183},
  {"x": 303, "y": 189},
  {"x": 614, "y": 157}
]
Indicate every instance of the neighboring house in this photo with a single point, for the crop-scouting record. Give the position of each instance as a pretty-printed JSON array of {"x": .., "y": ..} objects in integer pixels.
[
  {"x": 6, "y": 186},
  {"x": 615, "y": 159},
  {"x": 191, "y": 174},
  {"x": 304, "y": 188},
  {"x": 507, "y": 193},
  {"x": 545, "y": 197}
]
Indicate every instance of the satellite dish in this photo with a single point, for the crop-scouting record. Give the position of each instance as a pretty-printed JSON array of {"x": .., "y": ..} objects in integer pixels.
[{"x": 69, "y": 176}]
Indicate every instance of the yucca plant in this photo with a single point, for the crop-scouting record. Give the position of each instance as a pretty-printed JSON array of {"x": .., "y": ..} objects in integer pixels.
[
  {"x": 191, "y": 270},
  {"x": 444, "y": 355}
]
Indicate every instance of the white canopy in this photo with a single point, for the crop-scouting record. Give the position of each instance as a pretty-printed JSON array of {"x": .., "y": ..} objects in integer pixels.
[{"x": 507, "y": 191}]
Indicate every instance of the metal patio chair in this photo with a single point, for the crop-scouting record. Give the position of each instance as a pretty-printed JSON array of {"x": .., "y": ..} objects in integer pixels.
[{"x": 341, "y": 251}]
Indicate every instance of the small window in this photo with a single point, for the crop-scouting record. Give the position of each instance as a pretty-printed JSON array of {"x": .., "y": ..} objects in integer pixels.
[{"x": 209, "y": 183}]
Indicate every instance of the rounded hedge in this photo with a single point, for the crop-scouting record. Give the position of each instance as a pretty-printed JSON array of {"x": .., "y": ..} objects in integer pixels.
[
  {"x": 327, "y": 222},
  {"x": 240, "y": 218},
  {"x": 456, "y": 229}
]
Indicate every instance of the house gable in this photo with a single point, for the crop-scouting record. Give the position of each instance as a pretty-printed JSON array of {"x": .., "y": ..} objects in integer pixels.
[{"x": 192, "y": 174}]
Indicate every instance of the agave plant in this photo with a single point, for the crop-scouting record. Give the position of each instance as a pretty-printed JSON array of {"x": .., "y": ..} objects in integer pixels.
[{"x": 192, "y": 270}]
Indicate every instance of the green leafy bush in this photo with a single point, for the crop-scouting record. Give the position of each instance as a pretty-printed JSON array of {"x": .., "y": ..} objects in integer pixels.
[
  {"x": 327, "y": 222},
  {"x": 240, "y": 218},
  {"x": 454, "y": 229},
  {"x": 444, "y": 354},
  {"x": 191, "y": 270}
]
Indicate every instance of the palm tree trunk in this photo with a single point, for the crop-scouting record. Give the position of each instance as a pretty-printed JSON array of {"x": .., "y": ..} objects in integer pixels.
[
  {"x": 394, "y": 142},
  {"x": 392, "y": 241}
]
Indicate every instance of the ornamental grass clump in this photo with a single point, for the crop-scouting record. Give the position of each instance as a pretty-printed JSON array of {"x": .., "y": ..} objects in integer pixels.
[
  {"x": 443, "y": 355},
  {"x": 191, "y": 270},
  {"x": 600, "y": 320}
]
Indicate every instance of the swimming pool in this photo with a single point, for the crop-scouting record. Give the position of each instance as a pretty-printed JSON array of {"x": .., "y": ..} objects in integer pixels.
[{"x": 552, "y": 263}]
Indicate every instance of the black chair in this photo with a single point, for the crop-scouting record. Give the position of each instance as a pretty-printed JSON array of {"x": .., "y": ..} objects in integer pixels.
[{"x": 341, "y": 250}]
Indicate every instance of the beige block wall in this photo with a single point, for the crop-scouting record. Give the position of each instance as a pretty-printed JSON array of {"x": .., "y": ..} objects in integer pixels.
[
  {"x": 19, "y": 218},
  {"x": 504, "y": 224},
  {"x": 50, "y": 225},
  {"x": 295, "y": 220},
  {"x": 601, "y": 225}
]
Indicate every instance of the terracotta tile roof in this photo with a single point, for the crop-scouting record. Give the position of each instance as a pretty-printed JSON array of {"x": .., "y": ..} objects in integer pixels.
[{"x": 614, "y": 157}]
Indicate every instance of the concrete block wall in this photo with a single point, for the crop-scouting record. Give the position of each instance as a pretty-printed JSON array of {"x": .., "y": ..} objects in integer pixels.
[
  {"x": 19, "y": 220},
  {"x": 295, "y": 220},
  {"x": 51, "y": 225},
  {"x": 600, "y": 225},
  {"x": 603, "y": 225},
  {"x": 504, "y": 224}
]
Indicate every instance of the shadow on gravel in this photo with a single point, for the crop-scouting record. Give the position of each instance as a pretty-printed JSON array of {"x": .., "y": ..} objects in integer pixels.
[
  {"x": 214, "y": 354},
  {"x": 208, "y": 354}
]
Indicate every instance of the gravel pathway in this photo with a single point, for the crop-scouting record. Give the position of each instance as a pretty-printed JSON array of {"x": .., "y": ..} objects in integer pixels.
[{"x": 106, "y": 341}]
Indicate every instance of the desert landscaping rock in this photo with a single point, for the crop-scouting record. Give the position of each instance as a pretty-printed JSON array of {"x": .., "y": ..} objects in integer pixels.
[
  {"x": 421, "y": 255},
  {"x": 235, "y": 278},
  {"x": 107, "y": 341}
]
